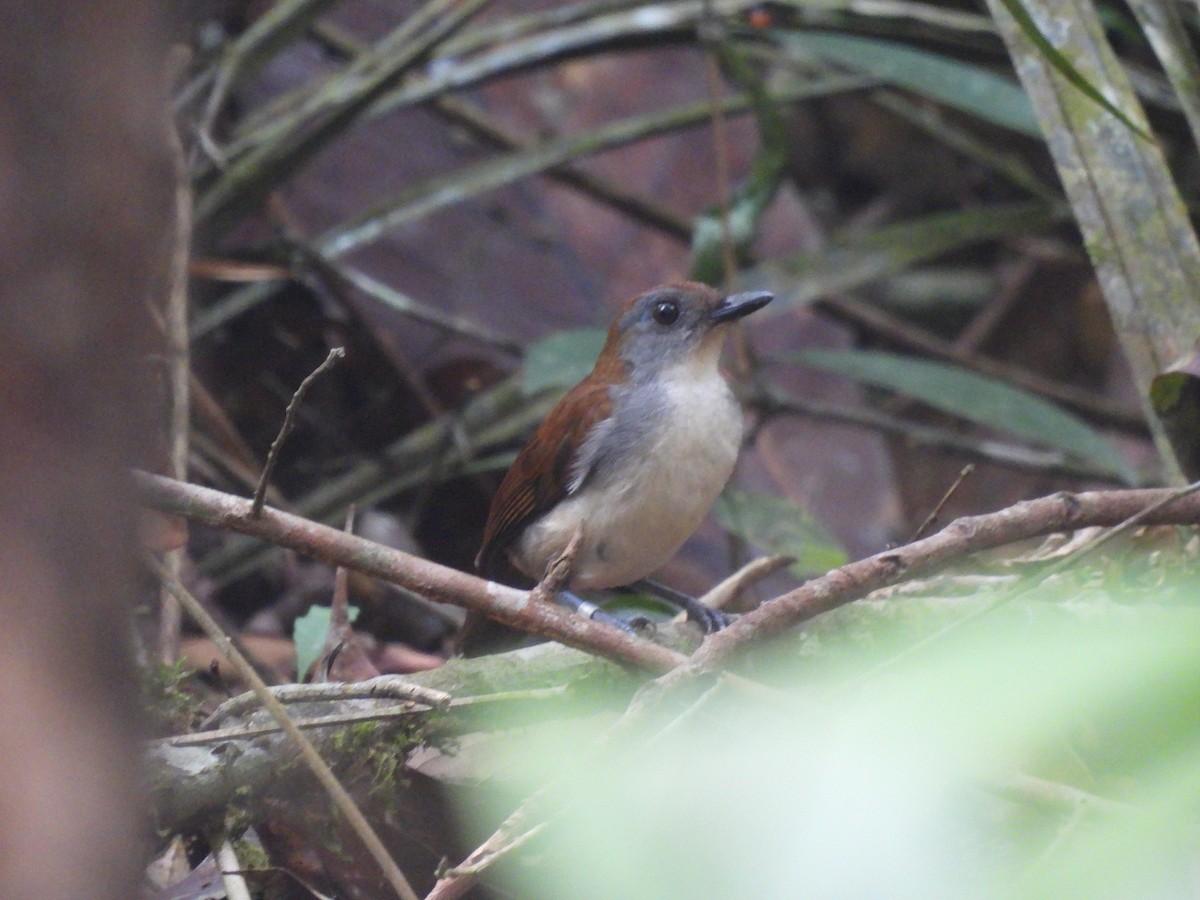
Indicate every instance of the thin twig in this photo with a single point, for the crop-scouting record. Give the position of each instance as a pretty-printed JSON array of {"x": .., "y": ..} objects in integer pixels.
[
  {"x": 408, "y": 709},
  {"x": 941, "y": 504},
  {"x": 512, "y": 833},
  {"x": 382, "y": 687},
  {"x": 1059, "y": 512},
  {"x": 175, "y": 332},
  {"x": 244, "y": 732},
  {"x": 641, "y": 209},
  {"x": 341, "y": 798},
  {"x": 1014, "y": 279},
  {"x": 720, "y": 594},
  {"x": 289, "y": 420}
]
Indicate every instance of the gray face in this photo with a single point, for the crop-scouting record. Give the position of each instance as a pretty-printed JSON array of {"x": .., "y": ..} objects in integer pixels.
[{"x": 663, "y": 325}]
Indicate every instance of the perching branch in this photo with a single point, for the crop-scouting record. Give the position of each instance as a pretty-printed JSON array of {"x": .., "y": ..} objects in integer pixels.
[
  {"x": 506, "y": 605},
  {"x": 1032, "y": 518}
]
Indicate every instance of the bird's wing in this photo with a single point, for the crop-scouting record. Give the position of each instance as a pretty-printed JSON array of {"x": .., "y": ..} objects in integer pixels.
[{"x": 543, "y": 472}]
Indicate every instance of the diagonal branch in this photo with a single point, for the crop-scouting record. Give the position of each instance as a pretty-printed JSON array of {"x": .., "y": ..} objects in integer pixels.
[
  {"x": 319, "y": 767},
  {"x": 1032, "y": 518},
  {"x": 506, "y": 605}
]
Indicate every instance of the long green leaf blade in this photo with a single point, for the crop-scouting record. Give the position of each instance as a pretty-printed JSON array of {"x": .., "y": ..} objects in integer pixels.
[
  {"x": 975, "y": 398},
  {"x": 959, "y": 84}
]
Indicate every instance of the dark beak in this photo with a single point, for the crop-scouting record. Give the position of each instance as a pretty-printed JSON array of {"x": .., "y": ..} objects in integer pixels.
[{"x": 738, "y": 305}]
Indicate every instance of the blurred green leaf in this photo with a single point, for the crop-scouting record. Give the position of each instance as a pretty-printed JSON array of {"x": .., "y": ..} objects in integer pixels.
[
  {"x": 308, "y": 634},
  {"x": 780, "y": 526},
  {"x": 939, "y": 779},
  {"x": 959, "y": 84},
  {"x": 976, "y": 398},
  {"x": 561, "y": 360}
]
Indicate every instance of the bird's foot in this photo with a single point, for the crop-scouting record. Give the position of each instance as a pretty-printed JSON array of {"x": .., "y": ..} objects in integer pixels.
[{"x": 710, "y": 620}]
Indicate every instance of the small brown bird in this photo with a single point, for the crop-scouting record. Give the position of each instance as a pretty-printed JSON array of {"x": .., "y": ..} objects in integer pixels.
[{"x": 634, "y": 455}]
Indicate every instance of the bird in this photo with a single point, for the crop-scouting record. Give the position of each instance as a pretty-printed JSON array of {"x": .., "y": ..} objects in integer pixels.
[{"x": 632, "y": 458}]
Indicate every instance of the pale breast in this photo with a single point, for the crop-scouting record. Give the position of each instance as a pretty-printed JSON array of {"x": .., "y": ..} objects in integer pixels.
[{"x": 639, "y": 512}]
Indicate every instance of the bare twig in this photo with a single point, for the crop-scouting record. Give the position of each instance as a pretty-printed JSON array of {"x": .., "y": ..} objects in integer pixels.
[
  {"x": 1014, "y": 279},
  {"x": 289, "y": 420},
  {"x": 1030, "y": 583},
  {"x": 408, "y": 709},
  {"x": 505, "y": 605},
  {"x": 245, "y": 732},
  {"x": 175, "y": 331},
  {"x": 341, "y": 798},
  {"x": 724, "y": 591},
  {"x": 382, "y": 687},
  {"x": 512, "y": 833},
  {"x": 1059, "y": 512},
  {"x": 611, "y": 193},
  {"x": 941, "y": 504}
]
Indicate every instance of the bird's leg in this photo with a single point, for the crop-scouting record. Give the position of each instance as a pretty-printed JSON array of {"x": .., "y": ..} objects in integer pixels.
[
  {"x": 558, "y": 574},
  {"x": 558, "y": 570},
  {"x": 710, "y": 620}
]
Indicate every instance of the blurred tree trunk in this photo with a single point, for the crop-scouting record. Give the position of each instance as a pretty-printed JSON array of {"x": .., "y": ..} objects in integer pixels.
[{"x": 84, "y": 202}]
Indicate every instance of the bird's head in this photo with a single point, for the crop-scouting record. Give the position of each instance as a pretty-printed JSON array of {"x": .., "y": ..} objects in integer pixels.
[{"x": 676, "y": 324}]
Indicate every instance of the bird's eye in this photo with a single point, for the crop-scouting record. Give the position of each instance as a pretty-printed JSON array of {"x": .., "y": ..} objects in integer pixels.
[{"x": 665, "y": 312}]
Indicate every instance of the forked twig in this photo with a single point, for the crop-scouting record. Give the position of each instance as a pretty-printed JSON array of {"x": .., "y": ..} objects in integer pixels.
[{"x": 289, "y": 421}]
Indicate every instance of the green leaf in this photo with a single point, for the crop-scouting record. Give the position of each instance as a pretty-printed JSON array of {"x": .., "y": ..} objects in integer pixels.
[
  {"x": 1047, "y": 751},
  {"x": 561, "y": 360},
  {"x": 780, "y": 526},
  {"x": 308, "y": 634},
  {"x": 975, "y": 398},
  {"x": 959, "y": 84}
]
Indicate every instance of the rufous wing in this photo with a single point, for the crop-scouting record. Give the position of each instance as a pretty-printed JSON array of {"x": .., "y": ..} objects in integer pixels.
[{"x": 540, "y": 474}]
